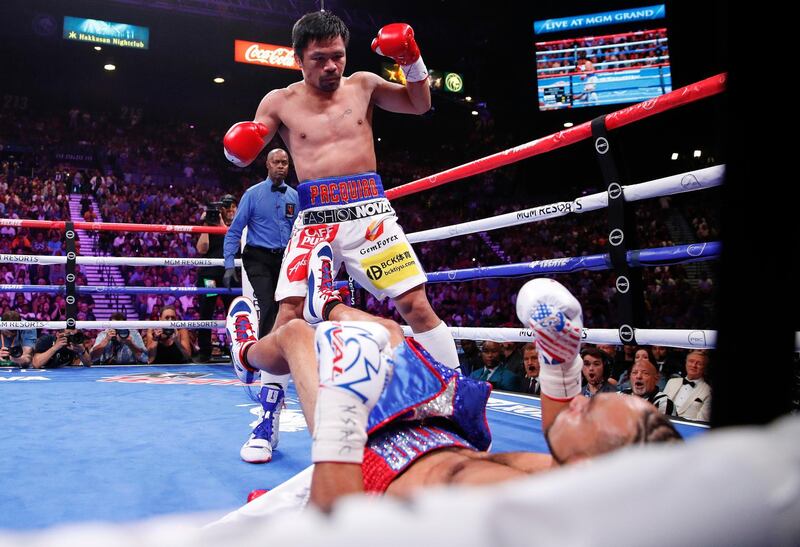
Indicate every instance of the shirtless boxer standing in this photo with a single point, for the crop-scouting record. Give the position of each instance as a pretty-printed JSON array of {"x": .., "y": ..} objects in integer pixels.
[
  {"x": 326, "y": 122},
  {"x": 383, "y": 414}
]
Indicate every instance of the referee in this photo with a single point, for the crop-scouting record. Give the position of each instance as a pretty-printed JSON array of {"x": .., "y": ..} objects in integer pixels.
[{"x": 268, "y": 210}]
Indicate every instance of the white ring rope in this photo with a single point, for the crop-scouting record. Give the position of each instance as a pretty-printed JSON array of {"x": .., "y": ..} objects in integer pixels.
[
  {"x": 674, "y": 338},
  {"x": 99, "y": 325},
  {"x": 115, "y": 260},
  {"x": 690, "y": 181}
]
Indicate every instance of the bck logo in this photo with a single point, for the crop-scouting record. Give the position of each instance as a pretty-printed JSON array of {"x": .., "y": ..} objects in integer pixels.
[
  {"x": 374, "y": 230},
  {"x": 623, "y": 285},
  {"x": 697, "y": 338},
  {"x": 614, "y": 190},
  {"x": 626, "y": 333},
  {"x": 616, "y": 237},
  {"x": 374, "y": 272},
  {"x": 601, "y": 145},
  {"x": 689, "y": 182}
]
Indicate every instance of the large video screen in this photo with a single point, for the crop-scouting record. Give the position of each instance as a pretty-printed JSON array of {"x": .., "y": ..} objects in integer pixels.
[{"x": 625, "y": 66}]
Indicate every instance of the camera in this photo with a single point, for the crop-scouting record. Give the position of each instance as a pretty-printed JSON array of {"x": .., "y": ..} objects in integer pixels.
[
  {"x": 123, "y": 333},
  {"x": 166, "y": 333},
  {"x": 15, "y": 351},
  {"x": 76, "y": 338},
  {"x": 213, "y": 213}
]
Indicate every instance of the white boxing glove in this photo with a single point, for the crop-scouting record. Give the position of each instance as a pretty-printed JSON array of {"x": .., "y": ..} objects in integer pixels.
[{"x": 555, "y": 317}]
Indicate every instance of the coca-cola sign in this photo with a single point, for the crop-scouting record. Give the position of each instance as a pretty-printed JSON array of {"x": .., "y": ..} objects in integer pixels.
[{"x": 255, "y": 53}]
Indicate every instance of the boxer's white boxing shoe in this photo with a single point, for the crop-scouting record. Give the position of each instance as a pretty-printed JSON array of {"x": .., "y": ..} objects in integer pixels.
[
  {"x": 321, "y": 295},
  {"x": 354, "y": 368},
  {"x": 556, "y": 318},
  {"x": 242, "y": 326},
  {"x": 264, "y": 438}
]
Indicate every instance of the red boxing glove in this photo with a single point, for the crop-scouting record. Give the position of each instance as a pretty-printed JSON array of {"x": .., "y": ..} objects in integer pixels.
[
  {"x": 397, "y": 42},
  {"x": 244, "y": 141}
]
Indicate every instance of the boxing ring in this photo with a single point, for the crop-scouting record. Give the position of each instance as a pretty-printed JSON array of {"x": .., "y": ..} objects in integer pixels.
[
  {"x": 117, "y": 444},
  {"x": 123, "y": 443}
]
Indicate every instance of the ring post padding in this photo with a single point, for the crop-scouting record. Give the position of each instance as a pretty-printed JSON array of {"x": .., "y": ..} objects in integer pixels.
[
  {"x": 621, "y": 237},
  {"x": 71, "y": 292}
]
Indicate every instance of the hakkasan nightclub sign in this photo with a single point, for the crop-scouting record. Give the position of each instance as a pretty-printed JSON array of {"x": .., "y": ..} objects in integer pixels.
[{"x": 106, "y": 33}]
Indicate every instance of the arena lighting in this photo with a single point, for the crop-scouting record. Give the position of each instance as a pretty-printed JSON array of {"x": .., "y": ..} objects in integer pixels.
[
  {"x": 379, "y": 139},
  {"x": 468, "y": 98},
  {"x": 110, "y": 67},
  {"x": 697, "y": 153},
  {"x": 568, "y": 124},
  {"x": 219, "y": 80},
  {"x": 97, "y": 48},
  {"x": 474, "y": 112},
  {"x": 674, "y": 156}
]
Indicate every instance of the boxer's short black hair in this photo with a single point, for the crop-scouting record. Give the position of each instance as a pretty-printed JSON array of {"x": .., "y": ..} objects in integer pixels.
[{"x": 317, "y": 25}]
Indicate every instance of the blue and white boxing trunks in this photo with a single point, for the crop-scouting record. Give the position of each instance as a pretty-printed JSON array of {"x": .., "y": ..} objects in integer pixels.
[{"x": 425, "y": 407}]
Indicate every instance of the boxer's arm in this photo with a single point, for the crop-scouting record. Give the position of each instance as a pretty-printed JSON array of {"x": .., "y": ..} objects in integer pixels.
[
  {"x": 413, "y": 98},
  {"x": 268, "y": 111}
]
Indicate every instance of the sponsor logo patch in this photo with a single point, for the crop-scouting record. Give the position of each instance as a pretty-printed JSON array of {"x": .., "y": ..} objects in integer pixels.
[{"x": 391, "y": 266}]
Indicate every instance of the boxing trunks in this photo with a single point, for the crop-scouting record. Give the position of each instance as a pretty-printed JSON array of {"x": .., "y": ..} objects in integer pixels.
[
  {"x": 352, "y": 214},
  {"x": 425, "y": 407}
]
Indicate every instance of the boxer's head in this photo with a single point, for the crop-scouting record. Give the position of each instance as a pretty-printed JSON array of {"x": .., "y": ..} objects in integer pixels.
[
  {"x": 277, "y": 165},
  {"x": 696, "y": 363},
  {"x": 319, "y": 40},
  {"x": 530, "y": 358},
  {"x": 606, "y": 422}
]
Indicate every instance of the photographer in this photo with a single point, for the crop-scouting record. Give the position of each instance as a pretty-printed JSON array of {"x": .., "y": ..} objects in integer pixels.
[
  {"x": 210, "y": 246},
  {"x": 61, "y": 349},
  {"x": 118, "y": 346},
  {"x": 168, "y": 346},
  {"x": 16, "y": 346}
]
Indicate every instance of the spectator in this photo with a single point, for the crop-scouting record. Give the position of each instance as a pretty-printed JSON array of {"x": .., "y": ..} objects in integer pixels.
[
  {"x": 16, "y": 346},
  {"x": 61, "y": 349},
  {"x": 644, "y": 378},
  {"x": 118, "y": 346},
  {"x": 494, "y": 371},
  {"x": 530, "y": 360},
  {"x": 692, "y": 394},
  {"x": 469, "y": 357},
  {"x": 210, "y": 245},
  {"x": 667, "y": 363},
  {"x": 511, "y": 354},
  {"x": 168, "y": 346},
  {"x": 596, "y": 372}
]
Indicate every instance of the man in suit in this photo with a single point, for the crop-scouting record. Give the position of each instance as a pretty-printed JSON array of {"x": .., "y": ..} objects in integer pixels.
[
  {"x": 494, "y": 370},
  {"x": 530, "y": 359},
  {"x": 692, "y": 394}
]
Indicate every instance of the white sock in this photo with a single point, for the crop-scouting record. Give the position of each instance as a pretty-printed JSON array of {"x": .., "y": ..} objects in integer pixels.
[
  {"x": 439, "y": 343},
  {"x": 279, "y": 379}
]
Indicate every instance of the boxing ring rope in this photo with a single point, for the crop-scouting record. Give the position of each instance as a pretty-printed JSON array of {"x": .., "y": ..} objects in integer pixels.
[
  {"x": 689, "y": 181},
  {"x": 113, "y": 226},
  {"x": 675, "y": 338},
  {"x": 681, "y": 96},
  {"x": 661, "y": 256},
  {"x": 114, "y": 260},
  {"x": 92, "y": 289},
  {"x": 99, "y": 325}
]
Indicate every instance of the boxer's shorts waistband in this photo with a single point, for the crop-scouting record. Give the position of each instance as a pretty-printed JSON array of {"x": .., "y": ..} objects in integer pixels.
[
  {"x": 338, "y": 191},
  {"x": 330, "y": 215}
]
